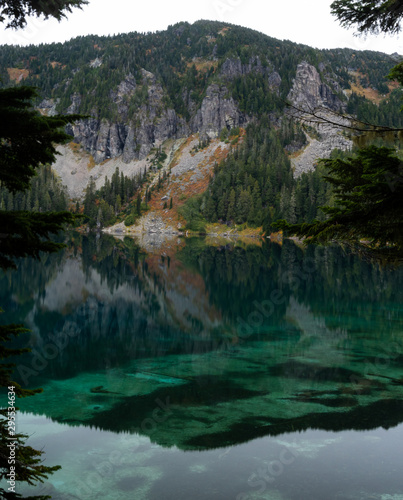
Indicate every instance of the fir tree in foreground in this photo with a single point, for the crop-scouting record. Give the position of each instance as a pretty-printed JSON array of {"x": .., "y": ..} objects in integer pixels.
[
  {"x": 368, "y": 211},
  {"x": 15, "y": 12},
  {"x": 27, "y": 141}
]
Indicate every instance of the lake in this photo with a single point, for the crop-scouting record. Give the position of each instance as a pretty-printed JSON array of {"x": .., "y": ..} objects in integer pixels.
[{"x": 211, "y": 370}]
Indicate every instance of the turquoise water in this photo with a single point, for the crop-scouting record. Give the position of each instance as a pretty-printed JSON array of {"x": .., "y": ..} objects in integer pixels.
[{"x": 212, "y": 372}]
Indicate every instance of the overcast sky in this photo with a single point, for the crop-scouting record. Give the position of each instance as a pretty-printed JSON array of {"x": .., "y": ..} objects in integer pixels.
[{"x": 302, "y": 21}]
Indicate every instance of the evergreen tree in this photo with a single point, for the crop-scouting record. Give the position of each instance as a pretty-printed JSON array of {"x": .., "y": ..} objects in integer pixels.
[
  {"x": 27, "y": 140},
  {"x": 15, "y": 12},
  {"x": 368, "y": 192},
  {"x": 369, "y": 16},
  {"x": 90, "y": 207},
  {"x": 368, "y": 187},
  {"x": 118, "y": 204},
  {"x": 231, "y": 212},
  {"x": 99, "y": 218},
  {"x": 210, "y": 211}
]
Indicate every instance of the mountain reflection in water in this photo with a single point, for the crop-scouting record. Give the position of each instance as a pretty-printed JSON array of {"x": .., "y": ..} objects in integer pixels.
[{"x": 209, "y": 346}]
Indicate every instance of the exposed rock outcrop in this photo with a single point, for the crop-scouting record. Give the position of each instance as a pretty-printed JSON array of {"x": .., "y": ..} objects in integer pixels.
[
  {"x": 153, "y": 123},
  {"x": 48, "y": 107},
  {"x": 133, "y": 138},
  {"x": 75, "y": 104},
  {"x": 309, "y": 92},
  {"x": 218, "y": 111}
]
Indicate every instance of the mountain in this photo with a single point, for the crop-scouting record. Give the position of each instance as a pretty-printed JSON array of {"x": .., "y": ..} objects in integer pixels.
[{"x": 174, "y": 90}]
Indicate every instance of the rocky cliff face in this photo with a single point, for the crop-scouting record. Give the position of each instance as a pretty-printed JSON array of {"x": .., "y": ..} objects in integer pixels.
[
  {"x": 153, "y": 123},
  {"x": 218, "y": 111},
  {"x": 132, "y": 138},
  {"x": 137, "y": 128},
  {"x": 309, "y": 92}
]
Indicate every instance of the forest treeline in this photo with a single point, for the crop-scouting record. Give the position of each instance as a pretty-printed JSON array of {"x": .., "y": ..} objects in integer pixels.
[
  {"x": 253, "y": 186},
  {"x": 46, "y": 193}
]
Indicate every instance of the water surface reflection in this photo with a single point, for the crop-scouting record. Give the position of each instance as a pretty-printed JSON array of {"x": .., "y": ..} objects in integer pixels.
[{"x": 211, "y": 347}]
